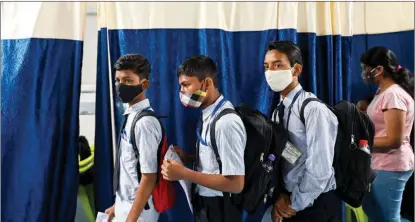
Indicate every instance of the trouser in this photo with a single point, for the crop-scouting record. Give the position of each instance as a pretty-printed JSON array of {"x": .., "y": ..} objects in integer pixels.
[
  {"x": 216, "y": 209},
  {"x": 326, "y": 208},
  {"x": 383, "y": 202},
  {"x": 122, "y": 209}
]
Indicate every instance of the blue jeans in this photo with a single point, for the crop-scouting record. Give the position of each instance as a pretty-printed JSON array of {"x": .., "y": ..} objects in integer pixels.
[{"x": 383, "y": 203}]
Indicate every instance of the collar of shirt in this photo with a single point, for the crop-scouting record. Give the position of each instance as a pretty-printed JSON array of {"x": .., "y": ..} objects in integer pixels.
[
  {"x": 289, "y": 98},
  {"x": 137, "y": 107},
  {"x": 208, "y": 110}
]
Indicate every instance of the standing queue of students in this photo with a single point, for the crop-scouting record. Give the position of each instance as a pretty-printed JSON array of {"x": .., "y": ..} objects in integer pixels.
[{"x": 309, "y": 182}]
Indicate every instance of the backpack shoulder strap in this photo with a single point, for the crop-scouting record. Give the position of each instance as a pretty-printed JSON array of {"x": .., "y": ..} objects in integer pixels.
[
  {"x": 274, "y": 114},
  {"x": 305, "y": 102},
  {"x": 212, "y": 134},
  {"x": 137, "y": 117}
]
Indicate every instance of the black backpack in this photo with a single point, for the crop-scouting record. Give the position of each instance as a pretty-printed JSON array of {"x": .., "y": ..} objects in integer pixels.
[
  {"x": 352, "y": 166},
  {"x": 264, "y": 137}
]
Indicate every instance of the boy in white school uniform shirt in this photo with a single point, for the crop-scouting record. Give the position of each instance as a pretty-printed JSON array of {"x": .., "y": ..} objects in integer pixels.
[
  {"x": 198, "y": 81},
  {"x": 309, "y": 179},
  {"x": 133, "y": 200}
]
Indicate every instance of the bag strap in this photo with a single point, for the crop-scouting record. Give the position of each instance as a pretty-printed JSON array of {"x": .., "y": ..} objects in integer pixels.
[
  {"x": 274, "y": 114},
  {"x": 213, "y": 140},
  {"x": 137, "y": 117},
  {"x": 306, "y": 101},
  {"x": 213, "y": 136}
]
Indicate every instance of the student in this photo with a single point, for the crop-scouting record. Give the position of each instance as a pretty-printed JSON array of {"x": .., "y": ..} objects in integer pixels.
[
  {"x": 132, "y": 80},
  {"x": 392, "y": 112},
  {"x": 198, "y": 79},
  {"x": 308, "y": 173}
]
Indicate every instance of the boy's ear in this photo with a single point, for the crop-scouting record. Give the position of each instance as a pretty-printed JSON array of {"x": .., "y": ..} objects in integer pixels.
[
  {"x": 209, "y": 83},
  {"x": 297, "y": 70},
  {"x": 146, "y": 84}
]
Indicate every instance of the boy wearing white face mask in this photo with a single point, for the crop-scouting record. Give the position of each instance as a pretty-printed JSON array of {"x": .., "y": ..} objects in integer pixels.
[{"x": 308, "y": 174}]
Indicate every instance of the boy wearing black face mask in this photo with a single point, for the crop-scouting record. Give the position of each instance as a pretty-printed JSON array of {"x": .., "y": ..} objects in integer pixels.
[
  {"x": 198, "y": 81},
  {"x": 132, "y": 195}
]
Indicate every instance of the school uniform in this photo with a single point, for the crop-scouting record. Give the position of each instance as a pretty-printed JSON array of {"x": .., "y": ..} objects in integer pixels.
[
  {"x": 148, "y": 135},
  {"x": 309, "y": 181},
  {"x": 230, "y": 135}
]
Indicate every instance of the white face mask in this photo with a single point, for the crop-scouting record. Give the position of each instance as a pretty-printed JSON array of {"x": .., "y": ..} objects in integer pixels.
[{"x": 278, "y": 80}]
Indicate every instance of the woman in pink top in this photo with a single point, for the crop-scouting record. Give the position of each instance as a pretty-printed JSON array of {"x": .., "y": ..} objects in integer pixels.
[{"x": 392, "y": 112}]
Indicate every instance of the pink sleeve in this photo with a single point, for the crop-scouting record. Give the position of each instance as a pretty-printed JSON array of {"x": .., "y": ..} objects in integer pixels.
[{"x": 393, "y": 100}]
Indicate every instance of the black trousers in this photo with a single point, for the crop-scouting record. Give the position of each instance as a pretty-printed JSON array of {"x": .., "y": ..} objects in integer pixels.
[
  {"x": 215, "y": 209},
  {"x": 326, "y": 208}
]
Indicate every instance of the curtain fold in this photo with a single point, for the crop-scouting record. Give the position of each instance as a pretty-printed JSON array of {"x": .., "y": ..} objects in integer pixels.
[
  {"x": 331, "y": 35},
  {"x": 40, "y": 89}
]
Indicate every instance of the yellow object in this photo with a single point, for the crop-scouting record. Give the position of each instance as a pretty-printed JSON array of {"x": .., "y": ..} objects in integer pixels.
[
  {"x": 358, "y": 212},
  {"x": 84, "y": 199}
]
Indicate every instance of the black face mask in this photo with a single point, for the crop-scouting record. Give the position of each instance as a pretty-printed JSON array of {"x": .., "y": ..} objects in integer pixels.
[{"x": 128, "y": 93}]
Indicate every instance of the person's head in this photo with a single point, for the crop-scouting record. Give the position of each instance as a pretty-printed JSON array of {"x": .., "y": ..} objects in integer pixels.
[
  {"x": 380, "y": 64},
  {"x": 198, "y": 79},
  {"x": 132, "y": 75},
  {"x": 283, "y": 65},
  {"x": 363, "y": 104}
]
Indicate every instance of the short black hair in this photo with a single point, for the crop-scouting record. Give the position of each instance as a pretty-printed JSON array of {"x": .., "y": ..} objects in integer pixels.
[
  {"x": 136, "y": 63},
  {"x": 199, "y": 66},
  {"x": 289, "y": 48}
]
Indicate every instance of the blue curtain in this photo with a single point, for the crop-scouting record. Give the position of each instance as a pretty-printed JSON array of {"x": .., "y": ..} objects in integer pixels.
[
  {"x": 40, "y": 89},
  {"x": 331, "y": 71}
]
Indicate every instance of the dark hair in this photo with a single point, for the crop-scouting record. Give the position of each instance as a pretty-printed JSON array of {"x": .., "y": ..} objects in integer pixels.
[
  {"x": 199, "y": 66},
  {"x": 136, "y": 63},
  {"x": 290, "y": 49},
  {"x": 367, "y": 99},
  {"x": 381, "y": 56}
]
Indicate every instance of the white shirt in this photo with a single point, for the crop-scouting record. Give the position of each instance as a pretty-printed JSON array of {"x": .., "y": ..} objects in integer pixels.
[
  {"x": 313, "y": 173},
  {"x": 148, "y": 135},
  {"x": 231, "y": 141}
]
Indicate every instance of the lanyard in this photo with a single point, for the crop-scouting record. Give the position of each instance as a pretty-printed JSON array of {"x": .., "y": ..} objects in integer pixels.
[{"x": 207, "y": 129}]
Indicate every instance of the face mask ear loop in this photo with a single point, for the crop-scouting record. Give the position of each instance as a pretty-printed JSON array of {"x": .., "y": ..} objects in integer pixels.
[
  {"x": 292, "y": 68},
  {"x": 142, "y": 84},
  {"x": 371, "y": 72},
  {"x": 203, "y": 84}
]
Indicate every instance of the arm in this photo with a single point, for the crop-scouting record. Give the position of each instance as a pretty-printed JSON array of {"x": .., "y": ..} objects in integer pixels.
[
  {"x": 231, "y": 184},
  {"x": 173, "y": 171},
  {"x": 395, "y": 127},
  {"x": 142, "y": 195},
  {"x": 321, "y": 130},
  {"x": 148, "y": 136},
  {"x": 231, "y": 141}
]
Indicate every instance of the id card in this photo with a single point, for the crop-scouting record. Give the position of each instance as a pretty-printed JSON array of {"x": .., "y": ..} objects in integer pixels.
[{"x": 291, "y": 153}]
